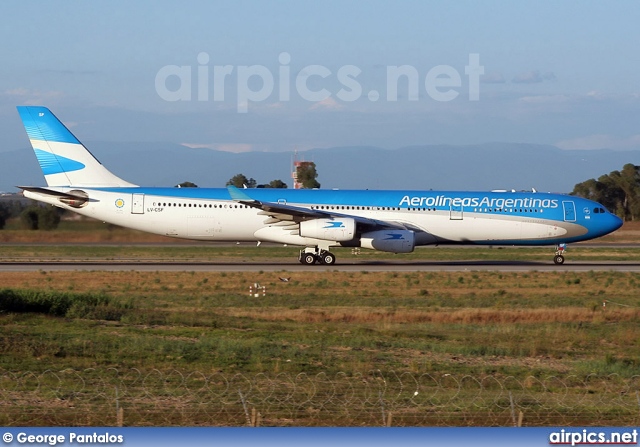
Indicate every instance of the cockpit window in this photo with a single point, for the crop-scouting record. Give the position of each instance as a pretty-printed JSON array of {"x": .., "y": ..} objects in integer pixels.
[{"x": 596, "y": 210}]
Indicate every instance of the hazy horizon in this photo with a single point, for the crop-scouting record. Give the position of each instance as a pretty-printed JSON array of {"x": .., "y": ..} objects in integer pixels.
[
  {"x": 252, "y": 76},
  {"x": 468, "y": 167}
]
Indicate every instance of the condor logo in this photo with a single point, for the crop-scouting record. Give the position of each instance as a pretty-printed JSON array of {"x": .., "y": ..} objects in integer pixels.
[
  {"x": 119, "y": 203},
  {"x": 328, "y": 229}
]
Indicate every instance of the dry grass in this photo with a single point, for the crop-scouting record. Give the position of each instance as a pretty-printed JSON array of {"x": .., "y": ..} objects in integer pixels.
[
  {"x": 343, "y": 320},
  {"x": 426, "y": 289},
  {"x": 470, "y": 324},
  {"x": 461, "y": 316}
]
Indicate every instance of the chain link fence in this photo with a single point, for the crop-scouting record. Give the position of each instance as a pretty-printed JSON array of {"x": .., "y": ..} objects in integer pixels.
[{"x": 132, "y": 397}]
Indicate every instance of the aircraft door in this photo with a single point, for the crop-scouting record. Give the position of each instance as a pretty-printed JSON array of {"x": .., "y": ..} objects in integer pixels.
[
  {"x": 569, "y": 211},
  {"x": 137, "y": 203},
  {"x": 456, "y": 211}
]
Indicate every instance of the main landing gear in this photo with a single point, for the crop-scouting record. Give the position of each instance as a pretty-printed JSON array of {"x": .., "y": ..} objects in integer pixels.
[
  {"x": 558, "y": 259},
  {"x": 310, "y": 256}
]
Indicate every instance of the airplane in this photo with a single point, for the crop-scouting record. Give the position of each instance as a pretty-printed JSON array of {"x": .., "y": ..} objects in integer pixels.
[{"x": 386, "y": 220}]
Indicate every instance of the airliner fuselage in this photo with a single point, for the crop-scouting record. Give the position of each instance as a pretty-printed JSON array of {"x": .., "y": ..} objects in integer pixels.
[{"x": 393, "y": 221}]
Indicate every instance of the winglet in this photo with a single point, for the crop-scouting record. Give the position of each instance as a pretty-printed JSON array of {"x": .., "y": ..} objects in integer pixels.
[{"x": 238, "y": 195}]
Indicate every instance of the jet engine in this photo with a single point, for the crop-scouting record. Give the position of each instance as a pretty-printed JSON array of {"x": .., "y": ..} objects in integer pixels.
[
  {"x": 394, "y": 241},
  {"x": 75, "y": 198},
  {"x": 335, "y": 229}
]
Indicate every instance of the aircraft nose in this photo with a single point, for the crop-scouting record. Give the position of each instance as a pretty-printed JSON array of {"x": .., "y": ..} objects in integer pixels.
[
  {"x": 607, "y": 223},
  {"x": 614, "y": 222}
]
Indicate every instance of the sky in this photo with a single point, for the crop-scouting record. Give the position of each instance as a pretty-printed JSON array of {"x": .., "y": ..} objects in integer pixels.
[{"x": 278, "y": 76}]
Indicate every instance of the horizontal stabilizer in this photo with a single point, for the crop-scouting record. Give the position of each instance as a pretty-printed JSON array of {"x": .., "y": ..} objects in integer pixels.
[
  {"x": 51, "y": 192},
  {"x": 74, "y": 198}
]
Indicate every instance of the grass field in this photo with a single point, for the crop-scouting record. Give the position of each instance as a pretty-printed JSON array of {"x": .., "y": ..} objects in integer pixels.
[
  {"x": 515, "y": 323},
  {"x": 478, "y": 324}
]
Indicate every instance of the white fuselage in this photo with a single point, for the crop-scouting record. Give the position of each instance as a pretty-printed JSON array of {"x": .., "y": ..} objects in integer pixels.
[{"x": 217, "y": 219}]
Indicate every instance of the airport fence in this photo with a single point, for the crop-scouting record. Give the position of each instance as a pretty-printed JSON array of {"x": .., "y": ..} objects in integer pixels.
[{"x": 133, "y": 397}]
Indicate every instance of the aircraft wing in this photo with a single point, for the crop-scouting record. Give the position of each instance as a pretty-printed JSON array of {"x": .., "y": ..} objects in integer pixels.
[{"x": 283, "y": 212}]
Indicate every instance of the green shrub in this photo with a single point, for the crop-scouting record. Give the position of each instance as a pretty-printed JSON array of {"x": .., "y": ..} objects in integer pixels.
[{"x": 61, "y": 304}]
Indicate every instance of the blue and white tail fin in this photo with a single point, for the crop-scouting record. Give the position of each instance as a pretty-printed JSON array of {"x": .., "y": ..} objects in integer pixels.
[{"x": 63, "y": 159}]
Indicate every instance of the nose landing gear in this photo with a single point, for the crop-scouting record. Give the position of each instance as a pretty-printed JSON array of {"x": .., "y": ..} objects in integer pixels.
[{"x": 558, "y": 259}]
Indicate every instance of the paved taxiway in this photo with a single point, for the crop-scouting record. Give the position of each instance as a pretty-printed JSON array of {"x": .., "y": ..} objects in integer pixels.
[{"x": 433, "y": 266}]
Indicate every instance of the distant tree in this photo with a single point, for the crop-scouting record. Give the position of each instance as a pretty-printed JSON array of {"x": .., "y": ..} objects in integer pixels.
[
  {"x": 18, "y": 205},
  {"x": 277, "y": 184},
  {"x": 13, "y": 208},
  {"x": 48, "y": 217},
  {"x": 5, "y": 212},
  {"x": 628, "y": 181},
  {"x": 240, "y": 181},
  {"x": 40, "y": 218},
  {"x": 29, "y": 218},
  {"x": 307, "y": 174},
  {"x": 186, "y": 185},
  {"x": 619, "y": 191}
]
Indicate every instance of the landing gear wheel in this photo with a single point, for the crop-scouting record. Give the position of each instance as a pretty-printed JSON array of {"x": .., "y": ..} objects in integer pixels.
[
  {"x": 558, "y": 260},
  {"x": 308, "y": 259},
  {"x": 328, "y": 258}
]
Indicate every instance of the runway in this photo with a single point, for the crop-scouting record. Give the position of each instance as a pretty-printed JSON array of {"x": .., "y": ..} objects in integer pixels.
[{"x": 431, "y": 266}]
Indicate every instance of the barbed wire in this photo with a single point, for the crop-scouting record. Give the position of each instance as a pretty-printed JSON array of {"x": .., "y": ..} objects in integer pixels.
[{"x": 133, "y": 397}]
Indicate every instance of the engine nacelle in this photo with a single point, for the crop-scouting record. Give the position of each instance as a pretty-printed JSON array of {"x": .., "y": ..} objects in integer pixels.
[
  {"x": 336, "y": 229},
  {"x": 79, "y": 199},
  {"x": 394, "y": 241}
]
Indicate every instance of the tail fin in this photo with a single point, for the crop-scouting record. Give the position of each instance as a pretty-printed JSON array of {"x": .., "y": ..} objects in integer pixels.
[{"x": 63, "y": 159}]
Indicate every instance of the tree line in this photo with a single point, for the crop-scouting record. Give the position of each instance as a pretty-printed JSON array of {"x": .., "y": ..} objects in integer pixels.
[
  {"x": 306, "y": 175},
  {"x": 619, "y": 191},
  {"x": 31, "y": 216},
  {"x": 241, "y": 181}
]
